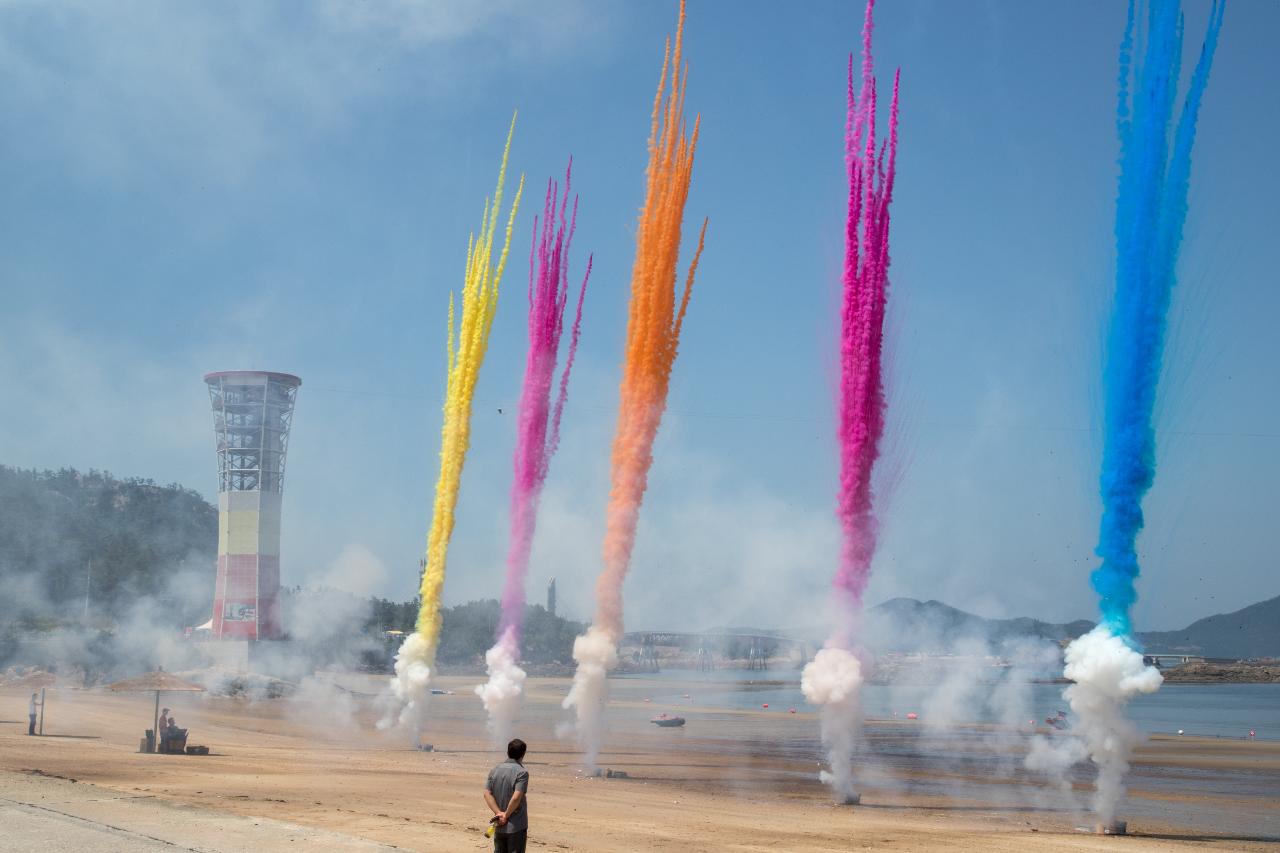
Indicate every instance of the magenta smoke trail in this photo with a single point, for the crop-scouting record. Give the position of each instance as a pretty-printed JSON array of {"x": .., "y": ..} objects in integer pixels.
[
  {"x": 539, "y": 420},
  {"x": 866, "y": 269},
  {"x": 833, "y": 679}
]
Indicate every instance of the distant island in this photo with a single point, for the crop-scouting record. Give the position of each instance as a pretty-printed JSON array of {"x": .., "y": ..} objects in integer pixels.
[{"x": 1252, "y": 632}]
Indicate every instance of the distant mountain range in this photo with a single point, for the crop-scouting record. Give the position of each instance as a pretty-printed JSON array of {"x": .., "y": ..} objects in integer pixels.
[
  {"x": 908, "y": 625},
  {"x": 1252, "y": 632},
  {"x": 932, "y": 626}
]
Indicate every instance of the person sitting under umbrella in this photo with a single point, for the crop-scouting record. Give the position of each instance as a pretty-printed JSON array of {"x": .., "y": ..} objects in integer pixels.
[
  {"x": 173, "y": 734},
  {"x": 156, "y": 682},
  {"x": 162, "y": 727}
]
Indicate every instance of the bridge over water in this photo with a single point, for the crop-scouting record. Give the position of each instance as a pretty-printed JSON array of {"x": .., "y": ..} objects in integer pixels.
[
  {"x": 1162, "y": 661},
  {"x": 755, "y": 647},
  {"x": 691, "y": 638}
]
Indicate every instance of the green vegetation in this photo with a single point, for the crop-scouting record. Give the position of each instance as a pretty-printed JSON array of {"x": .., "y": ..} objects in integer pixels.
[
  {"x": 393, "y": 615},
  {"x": 64, "y": 534},
  {"x": 468, "y": 631}
]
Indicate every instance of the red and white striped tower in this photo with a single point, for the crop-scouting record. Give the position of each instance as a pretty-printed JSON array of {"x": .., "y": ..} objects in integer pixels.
[{"x": 252, "y": 412}]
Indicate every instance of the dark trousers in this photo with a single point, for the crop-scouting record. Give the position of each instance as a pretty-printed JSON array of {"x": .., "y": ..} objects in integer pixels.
[
  {"x": 31, "y": 729},
  {"x": 511, "y": 843}
]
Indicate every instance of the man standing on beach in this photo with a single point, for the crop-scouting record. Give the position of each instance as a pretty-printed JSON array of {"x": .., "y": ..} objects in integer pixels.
[
  {"x": 31, "y": 714},
  {"x": 505, "y": 793}
]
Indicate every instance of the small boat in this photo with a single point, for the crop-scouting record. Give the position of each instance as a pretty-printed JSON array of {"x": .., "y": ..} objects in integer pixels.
[{"x": 667, "y": 722}]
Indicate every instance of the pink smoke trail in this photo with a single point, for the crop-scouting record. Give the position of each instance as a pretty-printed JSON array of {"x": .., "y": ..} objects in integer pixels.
[
  {"x": 833, "y": 679},
  {"x": 538, "y": 436},
  {"x": 861, "y": 407},
  {"x": 538, "y": 433}
]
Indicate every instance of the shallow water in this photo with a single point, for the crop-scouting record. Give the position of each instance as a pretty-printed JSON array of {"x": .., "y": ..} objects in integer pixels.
[
  {"x": 968, "y": 764},
  {"x": 1206, "y": 710}
]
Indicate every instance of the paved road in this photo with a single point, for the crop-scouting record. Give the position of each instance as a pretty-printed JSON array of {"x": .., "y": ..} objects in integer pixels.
[{"x": 52, "y": 815}]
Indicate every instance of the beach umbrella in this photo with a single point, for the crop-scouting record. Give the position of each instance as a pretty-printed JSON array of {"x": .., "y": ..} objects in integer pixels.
[{"x": 158, "y": 681}]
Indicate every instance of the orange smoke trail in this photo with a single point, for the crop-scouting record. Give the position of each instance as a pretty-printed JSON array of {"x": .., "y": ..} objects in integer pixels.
[
  {"x": 468, "y": 340},
  {"x": 653, "y": 335},
  {"x": 653, "y": 327}
]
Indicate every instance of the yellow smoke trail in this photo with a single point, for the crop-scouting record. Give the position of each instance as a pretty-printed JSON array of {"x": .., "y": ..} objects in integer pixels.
[
  {"x": 468, "y": 340},
  {"x": 467, "y": 344}
]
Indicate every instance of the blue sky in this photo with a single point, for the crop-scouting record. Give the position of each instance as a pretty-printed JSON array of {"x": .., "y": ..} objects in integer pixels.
[{"x": 290, "y": 187}]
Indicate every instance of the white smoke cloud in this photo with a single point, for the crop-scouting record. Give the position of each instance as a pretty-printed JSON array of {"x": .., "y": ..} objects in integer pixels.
[
  {"x": 958, "y": 697},
  {"x": 1054, "y": 759},
  {"x": 980, "y": 706},
  {"x": 596, "y": 653},
  {"x": 325, "y": 707},
  {"x": 832, "y": 681},
  {"x": 1107, "y": 674},
  {"x": 356, "y": 570},
  {"x": 411, "y": 684},
  {"x": 504, "y": 691}
]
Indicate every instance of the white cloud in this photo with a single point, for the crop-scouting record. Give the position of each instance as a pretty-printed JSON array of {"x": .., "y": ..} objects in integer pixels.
[
  {"x": 125, "y": 89},
  {"x": 94, "y": 403}
]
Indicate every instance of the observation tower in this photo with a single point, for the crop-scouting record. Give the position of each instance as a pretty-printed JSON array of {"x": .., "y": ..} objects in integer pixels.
[{"x": 252, "y": 412}]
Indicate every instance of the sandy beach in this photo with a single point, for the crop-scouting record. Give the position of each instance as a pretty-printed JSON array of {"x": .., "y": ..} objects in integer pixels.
[{"x": 729, "y": 780}]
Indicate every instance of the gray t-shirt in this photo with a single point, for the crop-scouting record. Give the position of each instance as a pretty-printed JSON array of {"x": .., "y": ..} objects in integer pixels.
[{"x": 504, "y": 780}]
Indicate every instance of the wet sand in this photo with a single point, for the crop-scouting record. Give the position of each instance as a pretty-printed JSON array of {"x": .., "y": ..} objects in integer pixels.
[{"x": 729, "y": 780}]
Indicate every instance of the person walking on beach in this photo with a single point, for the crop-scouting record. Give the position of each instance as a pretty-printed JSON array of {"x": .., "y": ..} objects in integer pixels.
[
  {"x": 505, "y": 794},
  {"x": 31, "y": 714}
]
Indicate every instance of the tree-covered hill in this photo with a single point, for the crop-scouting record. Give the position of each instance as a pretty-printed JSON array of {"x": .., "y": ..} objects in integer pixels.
[
  {"x": 468, "y": 629},
  {"x": 1251, "y": 632},
  {"x": 65, "y": 533}
]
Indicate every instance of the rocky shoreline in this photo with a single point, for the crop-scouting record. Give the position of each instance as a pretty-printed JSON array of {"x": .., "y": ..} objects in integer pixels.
[{"x": 1242, "y": 672}]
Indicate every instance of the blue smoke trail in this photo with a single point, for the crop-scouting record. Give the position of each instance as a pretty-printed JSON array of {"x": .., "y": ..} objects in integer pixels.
[{"x": 1151, "y": 208}]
